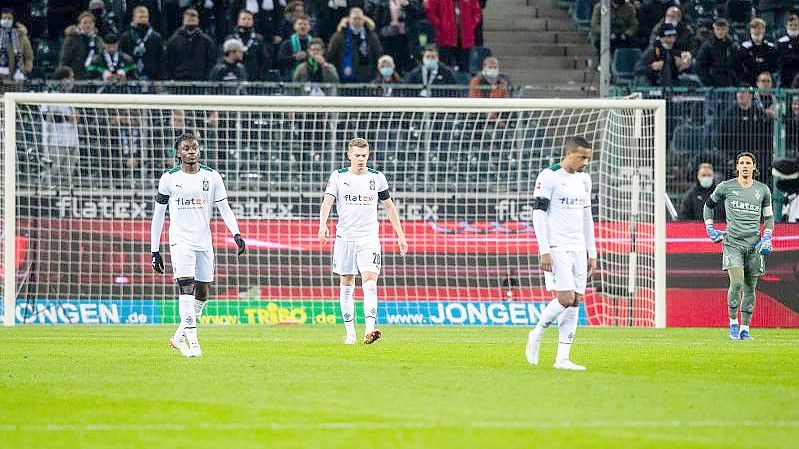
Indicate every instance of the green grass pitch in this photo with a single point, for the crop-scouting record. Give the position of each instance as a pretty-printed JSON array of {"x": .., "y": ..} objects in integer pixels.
[{"x": 425, "y": 387}]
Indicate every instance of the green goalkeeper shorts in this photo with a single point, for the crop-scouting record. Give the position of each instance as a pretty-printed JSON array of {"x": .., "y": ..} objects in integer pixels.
[{"x": 752, "y": 262}]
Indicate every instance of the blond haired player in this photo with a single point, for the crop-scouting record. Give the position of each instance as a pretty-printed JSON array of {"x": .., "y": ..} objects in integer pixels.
[{"x": 356, "y": 190}]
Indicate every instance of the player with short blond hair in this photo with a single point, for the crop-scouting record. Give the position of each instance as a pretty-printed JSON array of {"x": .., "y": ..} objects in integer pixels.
[{"x": 356, "y": 191}]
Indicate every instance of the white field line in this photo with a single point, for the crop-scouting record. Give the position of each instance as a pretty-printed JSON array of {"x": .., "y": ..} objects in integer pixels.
[{"x": 302, "y": 426}]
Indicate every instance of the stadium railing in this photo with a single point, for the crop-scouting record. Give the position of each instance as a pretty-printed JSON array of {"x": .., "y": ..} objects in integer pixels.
[{"x": 713, "y": 125}]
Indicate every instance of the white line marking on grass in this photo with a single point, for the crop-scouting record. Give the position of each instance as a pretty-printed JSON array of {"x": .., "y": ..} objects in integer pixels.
[{"x": 290, "y": 426}]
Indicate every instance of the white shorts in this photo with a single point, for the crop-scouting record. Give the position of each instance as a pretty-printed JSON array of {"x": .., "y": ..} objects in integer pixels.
[
  {"x": 569, "y": 272},
  {"x": 190, "y": 263},
  {"x": 356, "y": 257}
]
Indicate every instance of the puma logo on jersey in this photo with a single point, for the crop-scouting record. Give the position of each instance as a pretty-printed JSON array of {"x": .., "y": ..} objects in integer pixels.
[
  {"x": 347, "y": 184},
  {"x": 178, "y": 186}
]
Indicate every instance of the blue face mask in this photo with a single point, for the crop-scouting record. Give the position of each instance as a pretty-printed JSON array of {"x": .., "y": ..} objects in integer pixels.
[
  {"x": 386, "y": 71},
  {"x": 430, "y": 64},
  {"x": 491, "y": 73}
]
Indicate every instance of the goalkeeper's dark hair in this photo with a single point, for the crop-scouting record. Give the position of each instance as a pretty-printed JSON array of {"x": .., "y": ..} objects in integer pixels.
[
  {"x": 750, "y": 155},
  {"x": 573, "y": 143}
]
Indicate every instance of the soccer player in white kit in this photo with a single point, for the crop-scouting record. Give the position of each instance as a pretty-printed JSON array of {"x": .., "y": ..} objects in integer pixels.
[
  {"x": 356, "y": 191},
  {"x": 564, "y": 229},
  {"x": 190, "y": 190}
]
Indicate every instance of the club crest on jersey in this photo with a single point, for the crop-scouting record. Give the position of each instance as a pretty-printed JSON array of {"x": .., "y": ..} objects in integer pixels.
[
  {"x": 757, "y": 195},
  {"x": 206, "y": 185},
  {"x": 371, "y": 184}
]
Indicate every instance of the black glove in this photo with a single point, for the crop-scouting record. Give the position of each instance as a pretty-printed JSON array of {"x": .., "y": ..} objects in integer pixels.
[
  {"x": 240, "y": 243},
  {"x": 158, "y": 262}
]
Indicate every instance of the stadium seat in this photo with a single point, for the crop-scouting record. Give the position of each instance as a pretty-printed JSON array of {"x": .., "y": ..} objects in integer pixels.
[
  {"x": 476, "y": 57},
  {"x": 623, "y": 63},
  {"x": 462, "y": 78},
  {"x": 581, "y": 12}
]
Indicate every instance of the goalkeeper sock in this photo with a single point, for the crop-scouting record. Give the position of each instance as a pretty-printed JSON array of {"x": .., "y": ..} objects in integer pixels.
[
  {"x": 548, "y": 315},
  {"x": 567, "y": 326},
  {"x": 744, "y": 327},
  {"x": 735, "y": 321},
  {"x": 370, "y": 304},
  {"x": 347, "y": 307},
  {"x": 188, "y": 319}
]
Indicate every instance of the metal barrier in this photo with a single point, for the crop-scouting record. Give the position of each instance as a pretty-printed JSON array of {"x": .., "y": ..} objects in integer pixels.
[{"x": 713, "y": 125}]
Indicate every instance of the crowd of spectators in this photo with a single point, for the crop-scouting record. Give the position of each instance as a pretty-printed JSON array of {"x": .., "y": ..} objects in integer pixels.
[
  {"x": 741, "y": 51},
  {"x": 696, "y": 44},
  {"x": 341, "y": 41}
]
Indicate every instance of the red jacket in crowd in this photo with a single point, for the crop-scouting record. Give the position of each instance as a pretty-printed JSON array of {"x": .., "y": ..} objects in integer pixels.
[{"x": 441, "y": 14}]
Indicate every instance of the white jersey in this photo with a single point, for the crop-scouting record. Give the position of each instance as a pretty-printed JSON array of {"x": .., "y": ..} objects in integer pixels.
[
  {"x": 356, "y": 202},
  {"x": 191, "y": 199},
  {"x": 569, "y": 194}
]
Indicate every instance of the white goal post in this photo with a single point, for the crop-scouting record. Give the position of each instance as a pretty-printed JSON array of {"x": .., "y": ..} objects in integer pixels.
[{"x": 463, "y": 168}]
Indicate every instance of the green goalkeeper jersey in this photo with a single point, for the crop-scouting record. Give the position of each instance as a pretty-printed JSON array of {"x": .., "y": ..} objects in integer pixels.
[{"x": 744, "y": 208}]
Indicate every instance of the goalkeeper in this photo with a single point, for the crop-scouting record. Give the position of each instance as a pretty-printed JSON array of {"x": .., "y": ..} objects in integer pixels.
[
  {"x": 745, "y": 202},
  {"x": 189, "y": 190}
]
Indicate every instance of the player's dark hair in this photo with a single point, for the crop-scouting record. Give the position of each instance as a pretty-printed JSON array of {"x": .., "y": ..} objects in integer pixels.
[
  {"x": 750, "y": 155},
  {"x": 182, "y": 138},
  {"x": 575, "y": 142}
]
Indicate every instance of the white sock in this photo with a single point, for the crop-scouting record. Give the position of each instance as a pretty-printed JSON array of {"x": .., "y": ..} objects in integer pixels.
[
  {"x": 347, "y": 307},
  {"x": 198, "y": 309},
  {"x": 735, "y": 321},
  {"x": 188, "y": 318},
  {"x": 370, "y": 304},
  {"x": 567, "y": 327},
  {"x": 744, "y": 327},
  {"x": 548, "y": 315}
]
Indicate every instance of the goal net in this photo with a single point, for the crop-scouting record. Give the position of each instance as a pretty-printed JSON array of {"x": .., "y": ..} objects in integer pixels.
[{"x": 80, "y": 198}]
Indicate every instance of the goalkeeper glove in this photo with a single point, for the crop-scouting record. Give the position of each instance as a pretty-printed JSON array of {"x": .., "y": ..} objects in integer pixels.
[
  {"x": 714, "y": 234},
  {"x": 240, "y": 243},
  {"x": 158, "y": 262},
  {"x": 764, "y": 246}
]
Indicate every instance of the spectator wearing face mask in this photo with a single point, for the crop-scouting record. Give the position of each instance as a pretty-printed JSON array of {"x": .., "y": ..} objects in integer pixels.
[
  {"x": 355, "y": 48},
  {"x": 16, "y": 53},
  {"x": 144, "y": 45},
  {"x": 489, "y": 83},
  {"x": 685, "y": 37},
  {"x": 257, "y": 55},
  {"x": 431, "y": 72},
  {"x": 81, "y": 45},
  {"x": 756, "y": 54},
  {"x": 190, "y": 53},
  {"x": 788, "y": 49},
  {"x": 661, "y": 64},
  {"x": 694, "y": 199},
  {"x": 387, "y": 75}
]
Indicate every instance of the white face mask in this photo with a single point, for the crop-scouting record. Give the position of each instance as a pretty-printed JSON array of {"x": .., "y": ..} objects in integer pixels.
[
  {"x": 792, "y": 33},
  {"x": 706, "y": 181},
  {"x": 6, "y": 23},
  {"x": 673, "y": 22}
]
